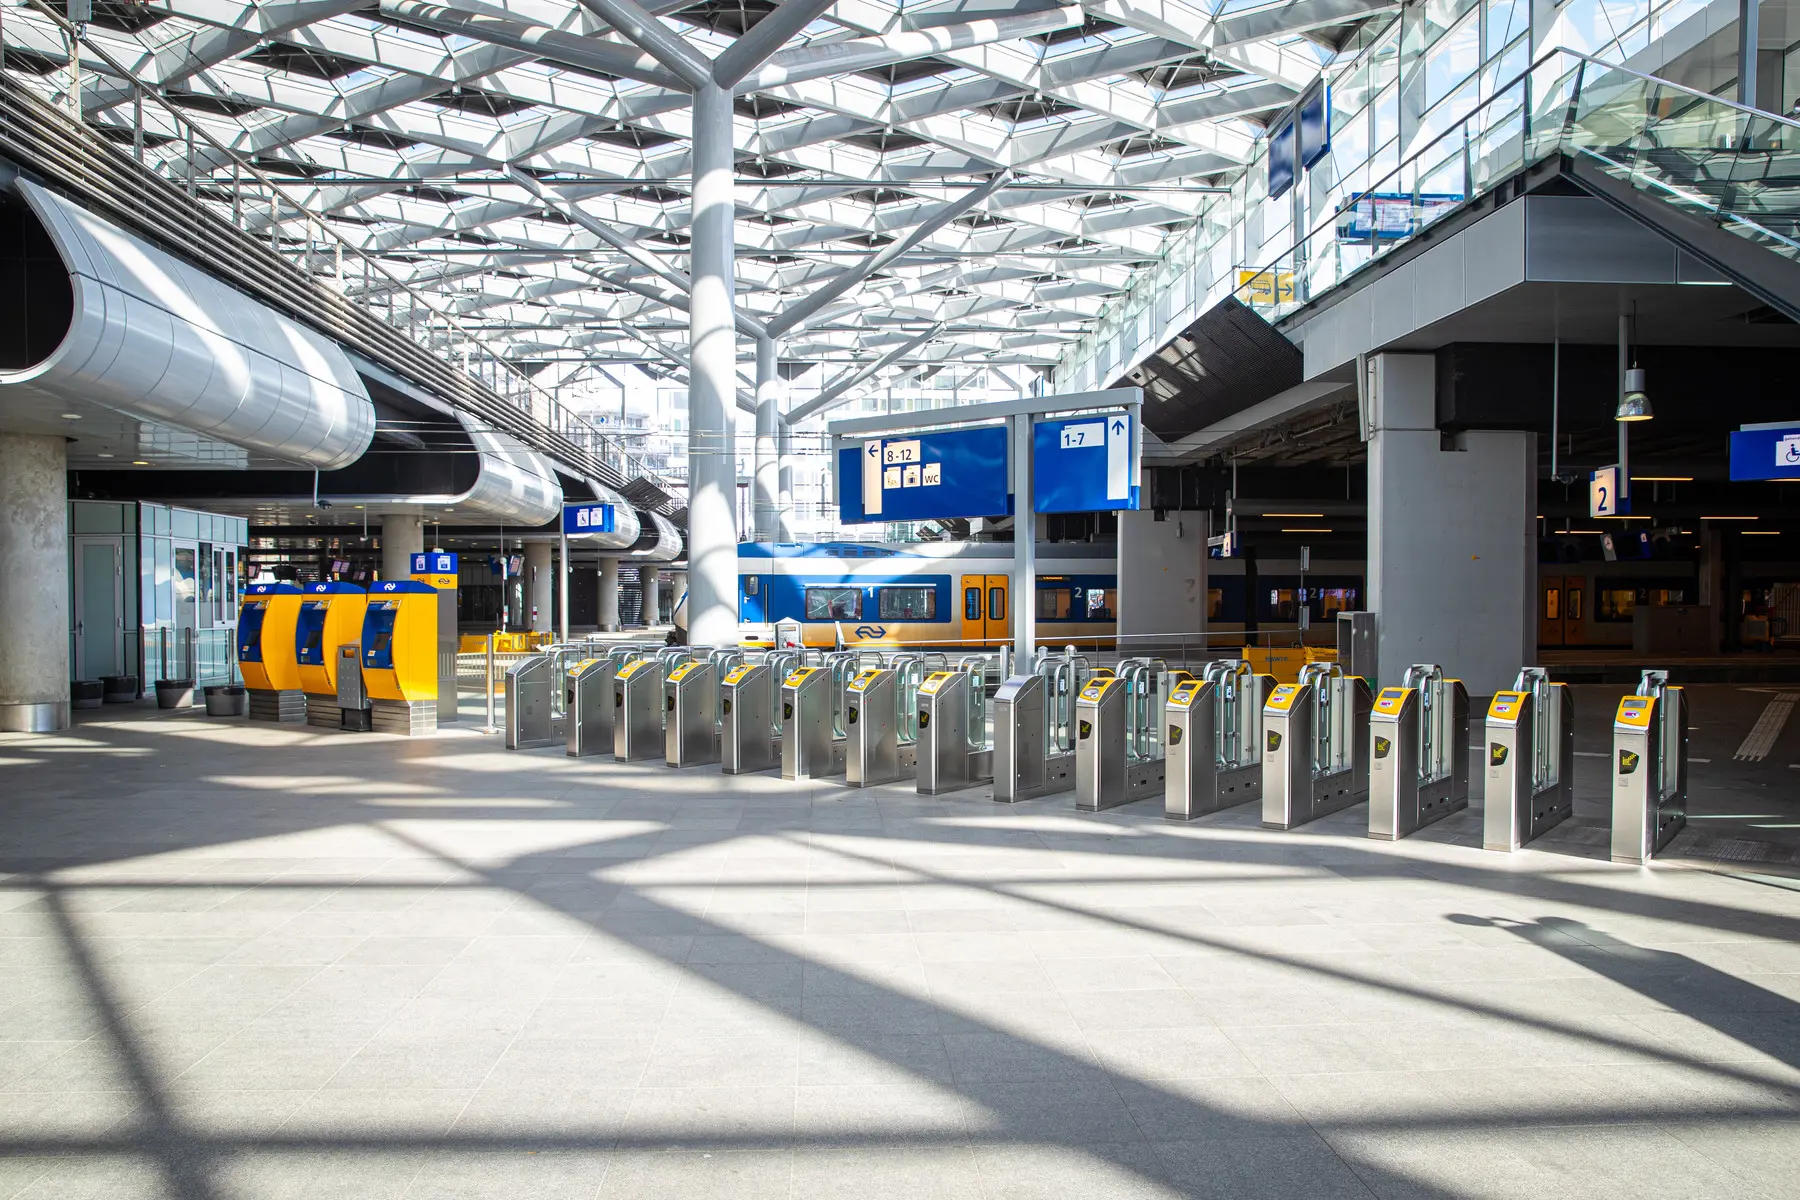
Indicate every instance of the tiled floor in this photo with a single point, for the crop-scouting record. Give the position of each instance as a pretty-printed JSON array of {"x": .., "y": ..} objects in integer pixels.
[{"x": 249, "y": 962}]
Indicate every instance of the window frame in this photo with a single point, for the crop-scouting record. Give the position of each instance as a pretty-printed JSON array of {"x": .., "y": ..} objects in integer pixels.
[
  {"x": 806, "y": 605},
  {"x": 928, "y": 591}
]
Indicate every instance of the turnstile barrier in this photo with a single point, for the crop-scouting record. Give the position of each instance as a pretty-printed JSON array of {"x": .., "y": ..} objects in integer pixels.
[
  {"x": 638, "y": 710},
  {"x": 691, "y": 714},
  {"x": 1213, "y": 749},
  {"x": 590, "y": 705},
  {"x": 749, "y": 734},
  {"x": 873, "y": 750},
  {"x": 1116, "y": 760},
  {"x": 1530, "y": 761},
  {"x": 809, "y": 748},
  {"x": 528, "y": 708},
  {"x": 1315, "y": 746},
  {"x": 951, "y": 755},
  {"x": 1650, "y": 768},
  {"x": 1419, "y": 753}
]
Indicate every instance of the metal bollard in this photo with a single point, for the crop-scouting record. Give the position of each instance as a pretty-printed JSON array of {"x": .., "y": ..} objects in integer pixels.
[{"x": 489, "y": 676}]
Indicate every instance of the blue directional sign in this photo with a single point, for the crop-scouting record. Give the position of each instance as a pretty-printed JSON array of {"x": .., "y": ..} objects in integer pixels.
[
  {"x": 436, "y": 563},
  {"x": 587, "y": 517},
  {"x": 920, "y": 477},
  {"x": 1085, "y": 464},
  {"x": 1766, "y": 452}
]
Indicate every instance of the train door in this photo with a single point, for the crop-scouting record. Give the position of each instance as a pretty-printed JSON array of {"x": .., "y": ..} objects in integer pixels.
[
  {"x": 1574, "y": 610},
  {"x": 985, "y": 612},
  {"x": 998, "y": 620},
  {"x": 1562, "y": 610},
  {"x": 1550, "y": 624}
]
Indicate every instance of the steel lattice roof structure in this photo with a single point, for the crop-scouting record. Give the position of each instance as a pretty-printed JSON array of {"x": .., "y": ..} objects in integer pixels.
[{"x": 998, "y": 172}]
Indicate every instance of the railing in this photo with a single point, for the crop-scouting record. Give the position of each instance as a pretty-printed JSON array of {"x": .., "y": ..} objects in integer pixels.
[
  {"x": 1682, "y": 144},
  {"x": 1738, "y": 166}
]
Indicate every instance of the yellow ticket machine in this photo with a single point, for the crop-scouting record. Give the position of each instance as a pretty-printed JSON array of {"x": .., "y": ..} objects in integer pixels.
[
  {"x": 265, "y": 635},
  {"x": 331, "y": 614},
  {"x": 400, "y": 656}
]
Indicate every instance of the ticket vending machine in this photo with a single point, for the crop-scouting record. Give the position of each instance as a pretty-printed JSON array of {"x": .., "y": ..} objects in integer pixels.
[
  {"x": 588, "y": 711},
  {"x": 1315, "y": 746},
  {"x": 691, "y": 715},
  {"x": 809, "y": 749},
  {"x": 439, "y": 569},
  {"x": 749, "y": 738},
  {"x": 1530, "y": 761},
  {"x": 638, "y": 710},
  {"x": 1650, "y": 769},
  {"x": 331, "y": 615},
  {"x": 400, "y": 657},
  {"x": 1419, "y": 753},
  {"x": 266, "y": 652}
]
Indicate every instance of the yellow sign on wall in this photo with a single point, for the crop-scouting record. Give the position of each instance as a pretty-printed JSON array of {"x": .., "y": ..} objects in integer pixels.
[{"x": 1265, "y": 287}]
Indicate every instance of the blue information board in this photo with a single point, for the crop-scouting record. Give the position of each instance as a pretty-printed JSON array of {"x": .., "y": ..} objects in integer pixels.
[
  {"x": 1772, "y": 452},
  {"x": 588, "y": 517},
  {"x": 1085, "y": 464},
  {"x": 437, "y": 563},
  {"x": 919, "y": 477}
]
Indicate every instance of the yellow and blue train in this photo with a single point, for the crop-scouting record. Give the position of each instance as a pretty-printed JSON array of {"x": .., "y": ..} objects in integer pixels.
[{"x": 951, "y": 594}]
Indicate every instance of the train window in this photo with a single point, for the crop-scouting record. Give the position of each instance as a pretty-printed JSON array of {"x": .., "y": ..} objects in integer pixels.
[
  {"x": 1100, "y": 604},
  {"x": 1215, "y": 604},
  {"x": 1053, "y": 603},
  {"x": 1616, "y": 604},
  {"x": 833, "y": 604},
  {"x": 996, "y": 604},
  {"x": 907, "y": 603},
  {"x": 1553, "y": 604},
  {"x": 971, "y": 604},
  {"x": 1573, "y": 604}
]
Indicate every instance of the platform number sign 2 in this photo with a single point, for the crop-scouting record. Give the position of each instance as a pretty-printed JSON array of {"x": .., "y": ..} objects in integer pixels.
[{"x": 1603, "y": 493}]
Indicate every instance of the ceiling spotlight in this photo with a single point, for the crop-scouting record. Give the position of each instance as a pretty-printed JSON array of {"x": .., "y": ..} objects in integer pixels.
[
  {"x": 71, "y": 416},
  {"x": 138, "y": 462},
  {"x": 1635, "y": 405},
  {"x": 103, "y": 454}
]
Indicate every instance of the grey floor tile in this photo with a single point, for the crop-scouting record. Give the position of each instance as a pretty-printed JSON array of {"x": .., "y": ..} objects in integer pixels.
[
  {"x": 1275, "y": 1167},
  {"x": 740, "y": 1175},
  {"x": 1051, "y": 1171},
  {"x": 882, "y": 1173}
]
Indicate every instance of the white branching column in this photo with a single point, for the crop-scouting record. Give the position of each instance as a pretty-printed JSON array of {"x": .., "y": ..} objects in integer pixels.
[{"x": 764, "y": 500}]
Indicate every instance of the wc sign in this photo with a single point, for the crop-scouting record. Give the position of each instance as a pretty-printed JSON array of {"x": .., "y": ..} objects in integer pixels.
[
  {"x": 435, "y": 569},
  {"x": 587, "y": 518}
]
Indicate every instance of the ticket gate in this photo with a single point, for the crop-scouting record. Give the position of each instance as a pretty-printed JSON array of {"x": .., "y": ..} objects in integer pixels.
[
  {"x": 1119, "y": 734},
  {"x": 809, "y": 747},
  {"x": 950, "y": 759},
  {"x": 1419, "y": 753},
  {"x": 1213, "y": 747},
  {"x": 528, "y": 686},
  {"x": 1650, "y": 769},
  {"x": 1315, "y": 746},
  {"x": 873, "y": 750},
  {"x": 749, "y": 734},
  {"x": 1530, "y": 761},
  {"x": 588, "y": 708},
  {"x": 691, "y": 715},
  {"x": 1034, "y": 729},
  {"x": 638, "y": 710}
]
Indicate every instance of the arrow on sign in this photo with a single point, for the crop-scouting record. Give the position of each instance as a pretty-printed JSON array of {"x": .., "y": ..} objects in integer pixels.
[{"x": 1118, "y": 425}]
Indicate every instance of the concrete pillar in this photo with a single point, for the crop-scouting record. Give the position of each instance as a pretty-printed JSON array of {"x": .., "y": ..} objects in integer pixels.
[
  {"x": 34, "y": 583},
  {"x": 1162, "y": 584},
  {"x": 784, "y": 494},
  {"x": 402, "y": 536},
  {"x": 712, "y": 379},
  {"x": 764, "y": 500},
  {"x": 609, "y": 595},
  {"x": 651, "y": 589},
  {"x": 1452, "y": 545},
  {"x": 539, "y": 576}
]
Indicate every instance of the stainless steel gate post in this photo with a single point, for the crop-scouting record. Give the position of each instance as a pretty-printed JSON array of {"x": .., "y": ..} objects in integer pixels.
[
  {"x": 1649, "y": 769},
  {"x": 1530, "y": 761}
]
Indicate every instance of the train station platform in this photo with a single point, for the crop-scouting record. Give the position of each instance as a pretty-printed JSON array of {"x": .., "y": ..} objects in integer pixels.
[{"x": 279, "y": 962}]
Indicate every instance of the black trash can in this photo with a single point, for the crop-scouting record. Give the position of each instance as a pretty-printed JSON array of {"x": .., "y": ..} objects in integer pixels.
[
  {"x": 119, "y": 689},
  {"x": 174, "y": 693},
  {"x": 227, "y": 700},
  {"x": 86, "y": 693}
]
